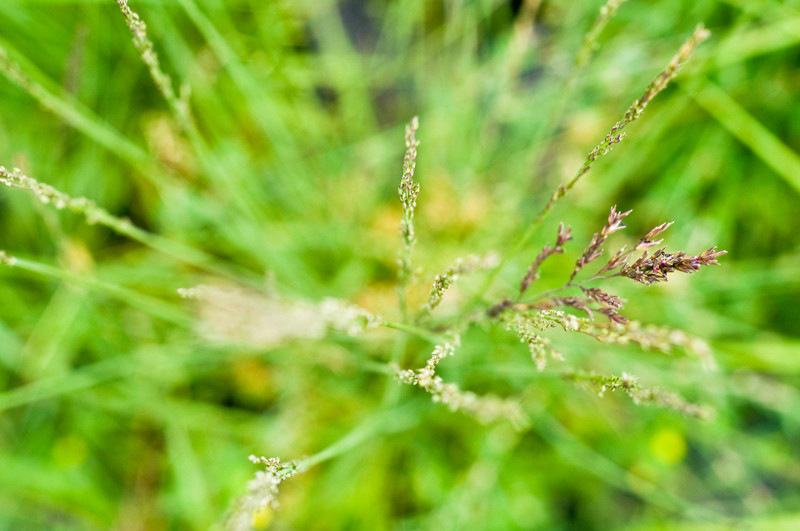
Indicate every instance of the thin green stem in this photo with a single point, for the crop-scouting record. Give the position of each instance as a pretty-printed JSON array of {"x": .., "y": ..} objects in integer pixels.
[
  {"x": 772, "y": 151},
  {"x": 182, "y": 113},
  {"x": 420, "y": 332},
  {"x": 265, "y": 112},
  {"x": 383, "y": 423},
  {"x": 586, "y": 458},
  {"x": 96, "y": 214},
  {"x": 145, "y": 303},
  {"x": 29, "y": 79},
  {"x": 85, "y": 378}
]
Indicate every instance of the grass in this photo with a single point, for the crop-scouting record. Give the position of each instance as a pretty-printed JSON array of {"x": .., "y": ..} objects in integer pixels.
[{"x": 119, "y": 406}]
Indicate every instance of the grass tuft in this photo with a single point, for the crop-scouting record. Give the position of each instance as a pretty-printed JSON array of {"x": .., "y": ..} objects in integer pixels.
[{"x": 221, "y": 276}]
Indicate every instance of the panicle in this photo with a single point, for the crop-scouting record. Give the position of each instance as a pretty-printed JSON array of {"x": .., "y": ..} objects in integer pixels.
[
  {"x": 594, "y": 250},
  {"x": 532, "y": 274}
]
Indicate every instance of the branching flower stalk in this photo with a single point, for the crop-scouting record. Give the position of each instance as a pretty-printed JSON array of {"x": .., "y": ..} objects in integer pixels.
[
  {"x": 462, "y": 266},
  {"x": 594, "y": 250},
  {"x": 616, "y": 134},
  {"x": 163, "y": 82},
  {"x": 408, "y": 192},
  {"x": 533, "y": 271},
  {"x": 528, "y": 332},
  {"x": 254, "y": 510},
  {"x": 641, "y": 396},
  {"x": 239, "y": 316},
  {"x": 655, "y": 268},
  {"x": 15, "y": 178},
  {"x": 527, "y": 322},
  {"x": 485, "y": 409},
  {"x": 661, "y": 339},
  {"x": 646, "y": 270}
]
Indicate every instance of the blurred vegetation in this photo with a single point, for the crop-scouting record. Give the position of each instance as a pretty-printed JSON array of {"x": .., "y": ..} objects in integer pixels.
[{"x": 113, "y": 415}]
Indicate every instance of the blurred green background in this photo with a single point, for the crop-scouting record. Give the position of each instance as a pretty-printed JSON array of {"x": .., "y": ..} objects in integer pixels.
[{"x": 115, "y": 416}]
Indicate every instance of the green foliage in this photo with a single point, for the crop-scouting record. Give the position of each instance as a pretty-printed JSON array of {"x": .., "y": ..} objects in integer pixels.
[{"x": 264, "y": 162}]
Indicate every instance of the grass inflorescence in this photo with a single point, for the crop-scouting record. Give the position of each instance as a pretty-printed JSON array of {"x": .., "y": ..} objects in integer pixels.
[{"x": 239, "y": 287}]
